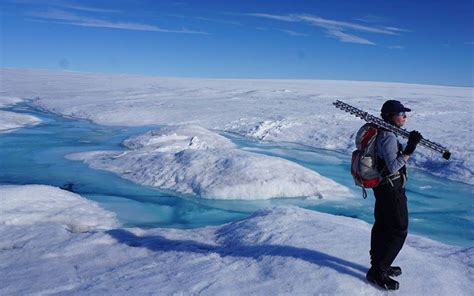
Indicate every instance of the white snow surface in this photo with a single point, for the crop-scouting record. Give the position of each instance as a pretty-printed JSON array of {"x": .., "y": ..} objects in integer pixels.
[
  {"x": 281, "y": 251},
  {"x": 195, "y": 161},
  {"x": 10, "y": 121},
  {"x": 8, "y": 101},
  {"x": 298, "y": 111},
  {"x": 34, "y": 204}
]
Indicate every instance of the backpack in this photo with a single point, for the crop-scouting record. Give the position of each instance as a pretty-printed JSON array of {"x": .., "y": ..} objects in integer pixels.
[{"x": 364, "y": 160}]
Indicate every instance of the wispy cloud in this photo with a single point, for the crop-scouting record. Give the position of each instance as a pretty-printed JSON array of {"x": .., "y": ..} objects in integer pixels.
[
  {"x": 65, "y": 17},
  {"x": 345, "y": 37},
  {"x": 293, "y": 33},
  {"x": 334, "y": 28},
  {"x": 206, "y": 19},
  {"x": 339, "y": 25},
  {"x": 472, "y": 43},
  {"x": 64, "y": 4},
  {"x": 227, "y": 22},
  {"x": 396, "y": 30},
  {"x": 85, "y": 8},
  {"x": 370, "y": 18},
  {"x": 239, "y": 24},
  {"x": 272, "y": 16},
  {"x": 396, "y": 47}
]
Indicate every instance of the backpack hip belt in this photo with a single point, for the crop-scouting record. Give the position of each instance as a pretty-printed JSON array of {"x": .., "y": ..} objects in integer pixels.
[{"x": 390, "y": 178}]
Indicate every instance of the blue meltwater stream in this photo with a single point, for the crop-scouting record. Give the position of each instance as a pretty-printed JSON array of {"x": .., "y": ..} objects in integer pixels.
[{"x": 439, "y": 208}]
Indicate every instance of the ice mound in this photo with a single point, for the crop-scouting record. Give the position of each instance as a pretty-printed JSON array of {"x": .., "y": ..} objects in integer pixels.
[
  {"x": 195, "y": 161},
  {"x": 11, "y": 120},
  {"x": 290, "y": 250},
  {"x": 298, "y": 111},
  {"x": 6, "y": 101},
  {"x": 32, "y": 204},
  {"x": 178, "y": 138}
]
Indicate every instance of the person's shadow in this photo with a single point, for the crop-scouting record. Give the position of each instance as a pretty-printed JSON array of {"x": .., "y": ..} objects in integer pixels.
[{"x": 159, "y": 243}]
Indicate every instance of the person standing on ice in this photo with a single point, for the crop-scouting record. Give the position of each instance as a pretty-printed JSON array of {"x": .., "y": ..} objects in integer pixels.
[{"x": 391, "y": 213}]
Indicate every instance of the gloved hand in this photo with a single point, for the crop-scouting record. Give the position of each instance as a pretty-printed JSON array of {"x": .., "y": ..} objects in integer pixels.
[{"x": 413, "y": 139}]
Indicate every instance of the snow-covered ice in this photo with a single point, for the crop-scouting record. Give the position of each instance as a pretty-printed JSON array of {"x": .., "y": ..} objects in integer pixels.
[
  {"x": 298, "y": 111},
  {"x": 33, "y": 204},
  {"x": 282, "y": 251},
  {"x": 193, "y": 160},
  {"x": 56, "y": 242},
  {"x": 8, "y": 101},
  {"x": 10, "y": 121}
]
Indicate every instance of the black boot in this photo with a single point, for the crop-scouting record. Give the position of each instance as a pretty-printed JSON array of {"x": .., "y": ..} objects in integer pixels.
[
  {"x": 381, "y": 279},
  {"x": 394, "y": 271}
]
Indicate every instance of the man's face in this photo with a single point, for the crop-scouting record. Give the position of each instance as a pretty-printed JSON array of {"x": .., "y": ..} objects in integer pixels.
[{"x": 399, "y": 119}]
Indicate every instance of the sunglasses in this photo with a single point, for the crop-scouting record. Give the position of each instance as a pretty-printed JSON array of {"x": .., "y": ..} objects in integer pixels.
[{"x": 401, "y": 114}]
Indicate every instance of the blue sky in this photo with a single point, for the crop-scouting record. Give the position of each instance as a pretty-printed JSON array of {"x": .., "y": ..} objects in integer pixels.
[{"x": 429, "y": 42}]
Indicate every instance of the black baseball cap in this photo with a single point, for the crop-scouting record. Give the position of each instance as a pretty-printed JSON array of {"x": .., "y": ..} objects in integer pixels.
[{"x": 393, "y": 106}]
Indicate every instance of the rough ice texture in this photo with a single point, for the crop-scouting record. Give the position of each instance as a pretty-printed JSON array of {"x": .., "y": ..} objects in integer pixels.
[
  {"x": 8, "y": 101},
  {"x": 34, "y": 204},
  {"x": 196, "y": 161},
  {"x": 10, "y": 121},
  {"x": 298, "y": 111},
  {"x": 281, "y": 251}
]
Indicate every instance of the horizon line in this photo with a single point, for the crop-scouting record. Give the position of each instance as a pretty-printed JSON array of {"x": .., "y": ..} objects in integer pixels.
[{"x": 227, "y": 78}]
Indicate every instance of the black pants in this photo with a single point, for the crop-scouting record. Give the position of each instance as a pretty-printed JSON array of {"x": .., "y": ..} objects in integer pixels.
[{"x": 391, "y": 224}]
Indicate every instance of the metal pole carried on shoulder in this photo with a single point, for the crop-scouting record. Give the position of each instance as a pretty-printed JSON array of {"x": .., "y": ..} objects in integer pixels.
[{"x": 398, "y": 131}]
